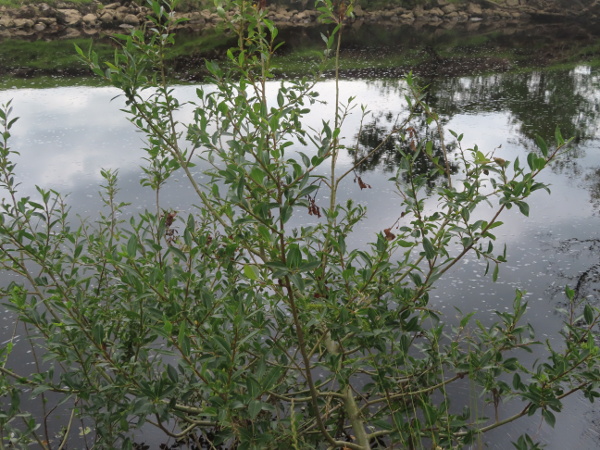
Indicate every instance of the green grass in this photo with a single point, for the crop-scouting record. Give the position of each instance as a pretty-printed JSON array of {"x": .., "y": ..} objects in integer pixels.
[
  {"x": 42, "y": 56},
  {"x": 47, "y": 82},
  {"x": 209, "y": 41}
]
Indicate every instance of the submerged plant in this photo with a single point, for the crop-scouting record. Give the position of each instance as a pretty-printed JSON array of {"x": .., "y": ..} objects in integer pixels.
[{"x": 232, "y": 325}]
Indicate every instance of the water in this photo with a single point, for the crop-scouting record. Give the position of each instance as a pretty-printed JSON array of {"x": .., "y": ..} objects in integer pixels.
[{"x": 65, "y": 135}]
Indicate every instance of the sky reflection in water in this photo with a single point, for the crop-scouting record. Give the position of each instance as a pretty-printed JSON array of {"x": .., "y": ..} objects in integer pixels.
[{"x": 66, "y": 135}]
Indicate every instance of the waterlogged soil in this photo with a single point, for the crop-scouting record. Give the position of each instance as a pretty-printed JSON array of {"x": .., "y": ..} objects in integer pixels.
[{"x": 367, "y": 51}]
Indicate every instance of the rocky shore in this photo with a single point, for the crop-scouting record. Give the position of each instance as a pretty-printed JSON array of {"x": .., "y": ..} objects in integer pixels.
[{"x": 66, "y": 21}]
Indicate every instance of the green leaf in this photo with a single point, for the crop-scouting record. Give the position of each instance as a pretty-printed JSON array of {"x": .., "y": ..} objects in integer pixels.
[
  {"x": 177, "y": 252},
  {"x": 132, "y": 246},
  {"x": 277, "y": 266},
  {"x": 251, "y": 271},
  {"x": 309, "y": 266},
  {"x": 588, "y": 314},
  {"x": 184, "y": 341},
  {"x": 523, "y": 207},
  {"x": 517, "y": 383},
  {"x": 294, "y": 256},
  {"x": 531, "y": 157},
  {"x": 570, "y": 293},
  {"x": 558, "y": 136},
  {"x": 254, "y": 407},
  {"x": 429, "y": 249},
  {"x": 465, "y": 320},
  {"x": 549, "y": 417},
  {"x": 541, "y": 143},
  {"x": 172, "y": 373},
  {"x": 495, "y": 273}
]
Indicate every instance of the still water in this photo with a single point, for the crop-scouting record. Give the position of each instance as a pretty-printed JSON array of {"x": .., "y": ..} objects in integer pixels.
[{"x": 66, "y": 135}]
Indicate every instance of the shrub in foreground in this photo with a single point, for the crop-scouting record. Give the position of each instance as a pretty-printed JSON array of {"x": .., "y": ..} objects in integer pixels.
[{"x": 234, "y": 325}]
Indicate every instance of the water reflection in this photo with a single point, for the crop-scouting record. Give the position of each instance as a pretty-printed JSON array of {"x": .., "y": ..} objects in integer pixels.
[
  {"x": 538, "y": 101},
  {"x": 390, "y": 147},
  {"x": 66, "y": 135}
]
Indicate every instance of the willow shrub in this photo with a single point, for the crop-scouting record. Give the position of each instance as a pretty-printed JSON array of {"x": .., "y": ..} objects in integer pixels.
[{"x": 232, "y": 324}]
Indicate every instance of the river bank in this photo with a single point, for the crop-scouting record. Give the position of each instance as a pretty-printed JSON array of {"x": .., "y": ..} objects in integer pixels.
[{"x": 68, "y": 20}]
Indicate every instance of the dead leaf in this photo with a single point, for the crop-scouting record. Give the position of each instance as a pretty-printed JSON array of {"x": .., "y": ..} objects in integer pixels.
[
  {"x": 389, "y": 235},
  {"x": 500, "y": 161},
  {"x": 313, "y": 209},
  {"x": 361, "y": 184}
]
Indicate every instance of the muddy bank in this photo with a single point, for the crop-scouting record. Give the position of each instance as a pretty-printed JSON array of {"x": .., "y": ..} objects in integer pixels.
[{"x": 64, "y": 20}]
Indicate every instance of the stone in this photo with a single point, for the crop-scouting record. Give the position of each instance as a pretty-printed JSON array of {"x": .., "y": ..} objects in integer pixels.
[
  {"x": 48, "y": 21},
  {"x": 462, "y": 16},
  {"x": 303, "y": 16},
  {"x": 46, "y": 11},
  {"x": 71, "y": 33},
  {"x": 39, "y": 27},
  {"x": 44, "y": 7},
  {"x": 23, "y": 32},
  {"x": 131, "y": 19},
  {"x": 196, "y": 19},
  {"x": 90, "y": 19},
  {"x": 512, "y": 2},
  {"x": 26, "y": 12},
  {"x": 112, "y": 6},
  {"x": 70, "y": 17},
  {"x": 24, "y": 24},
  {"x": 473, "y": 25},
  {"x": 448, "y": 24},
  {"x": 418, "y": 12},
  {"x": 6, "y": 21},
  {"x": 474, "y": 9},
  {"x": 436, "y": 12},
  {"x": 107, "y": 17},
  {"x": 449, "y": 9}
]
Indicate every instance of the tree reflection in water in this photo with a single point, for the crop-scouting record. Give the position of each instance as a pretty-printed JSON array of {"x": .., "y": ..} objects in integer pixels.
[
  {"x": 376, "y": 134},
  {"x": 536, "y": 102}
]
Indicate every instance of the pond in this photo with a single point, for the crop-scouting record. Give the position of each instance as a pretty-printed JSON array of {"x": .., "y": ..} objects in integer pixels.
[{"x": 66, "y": 134}]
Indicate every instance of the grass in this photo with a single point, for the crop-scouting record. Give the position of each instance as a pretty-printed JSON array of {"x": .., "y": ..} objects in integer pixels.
[
  {"x": 47, "y": 82},
  {"x": 56, "y": 56}
]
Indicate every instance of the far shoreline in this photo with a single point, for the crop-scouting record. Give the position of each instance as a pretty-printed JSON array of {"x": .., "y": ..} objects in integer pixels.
[{"x": 68, "y": 20}]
